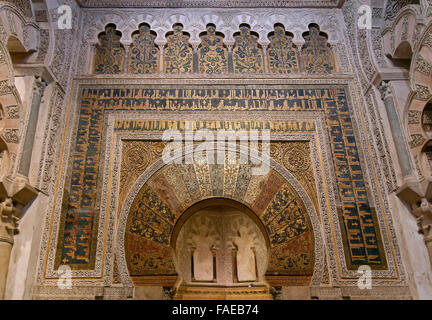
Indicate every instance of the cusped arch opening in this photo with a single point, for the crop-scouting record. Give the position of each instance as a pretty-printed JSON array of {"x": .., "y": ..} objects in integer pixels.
[
  {"x": 166, "y": 195},
  {"x": 218, "y": 201},
  {"x": 17, "y": 51},
  {"x": 402, "y": 56},
  {"x": 220, "y": 242}
]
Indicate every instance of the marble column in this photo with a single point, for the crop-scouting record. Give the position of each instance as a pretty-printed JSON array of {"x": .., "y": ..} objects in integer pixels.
[
  {"x": 230, "y": 58},
  {"x": 195, "y": 47},
  {"x": 301, "y": 67},
  {"x": 396, "y": 130},
  {"x": 127, "y": 47},
  {"x": 161, "y": 58},
  {"x": 265, "y": 57},
  {"x": 8, "y": 228},
  {"x": 25, "y": 162}
]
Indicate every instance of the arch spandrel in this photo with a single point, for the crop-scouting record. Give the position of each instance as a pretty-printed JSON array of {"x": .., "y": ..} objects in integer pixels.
[{"x": 419, "y": 98}]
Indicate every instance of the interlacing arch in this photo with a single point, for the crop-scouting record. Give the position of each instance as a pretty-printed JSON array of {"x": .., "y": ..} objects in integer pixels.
[
  {"x": 418, "y": 112},
  {"x": 408, "y": 44},
  {"x": 10, "y": 104},
  {"x": 20, "y": 38}
]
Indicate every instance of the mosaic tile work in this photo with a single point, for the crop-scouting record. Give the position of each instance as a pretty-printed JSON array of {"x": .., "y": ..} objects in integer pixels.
[
  {"x": 143, "y": 52},
  {"x": 178, "y": 52},
  {"x": 247, "y": 53},
  {"x": 153, "y": 216},
  {"x": 110, "y": 54},
  {"x": 361, "y": 233},
  {"x": 317, "y": 56},
  {"x": 282, "y": 54},
  {"x": 213, "y": 55},
  {"x": 295, "y": 156}
]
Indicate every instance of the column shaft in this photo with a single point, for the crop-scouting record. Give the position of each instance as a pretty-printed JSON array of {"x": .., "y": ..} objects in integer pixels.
[
  {"x": 396, "y": 130},
  {"x": 25, "y": 162}
]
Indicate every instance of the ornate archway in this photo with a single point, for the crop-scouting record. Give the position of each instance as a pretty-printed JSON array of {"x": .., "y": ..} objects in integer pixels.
[{"x": 163, "y": 199}]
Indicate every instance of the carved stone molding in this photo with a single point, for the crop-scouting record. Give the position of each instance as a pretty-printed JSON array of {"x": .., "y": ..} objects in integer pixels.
[
  {"x": 211, "y": 3},
  {"x": 394, "y": 6},
  {"x": 11, "y": 135}
]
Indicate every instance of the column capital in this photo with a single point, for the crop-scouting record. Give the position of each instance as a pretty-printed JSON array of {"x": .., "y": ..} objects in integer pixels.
[
  {"x": 385, "y": 90},
  {"x": 264, "y": 44},
  {"x": 39, "y": 86},
  {"x": 195, "y": 46},
  {"x": 299, "y": 44},
  {"x": 230, "y": 45},
  {"x": 160, "y": 44}
]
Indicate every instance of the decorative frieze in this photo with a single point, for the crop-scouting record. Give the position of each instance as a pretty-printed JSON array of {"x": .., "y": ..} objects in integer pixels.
[
  {"x": 211, "y": 3},
  {"x": 423, "y": 92},
  {"x": 4, "y": 87},
  {"x": 414, "y": 117},
  {"x": 11, "y": 135},
  {"x": 423, "y": 65},
  {"x": 416, "y": 140}
]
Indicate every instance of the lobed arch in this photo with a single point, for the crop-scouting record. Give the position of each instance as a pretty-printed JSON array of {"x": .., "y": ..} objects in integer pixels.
[
  {"x": 211, "y": 18},
  {"x": 99, "y": 26},
  {"x": 162, "y": 26},
  {"x": 189, "y": 212},
  {"x": 155, "y": 168},
  {"x": 249, "y": 50},
  {"x": 401, "y": 32},
  {"x": 17, "y": 25},
  {"x": 19, "y": 43},
  {"x": 418, "y": 100},
  {"x": 10, "y": 103}
]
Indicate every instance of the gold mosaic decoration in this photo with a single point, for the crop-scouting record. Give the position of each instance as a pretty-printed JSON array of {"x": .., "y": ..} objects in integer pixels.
[
  {"x": 213, "y": 55},
  {"x": 143, "y": 56},
  {"x": 317, "y": 56},
  {"x": 110, "y": 53},
  {"x": 178, "y": 53},
  {"x": 247, "y": 53},
  {"x": 282, "y": 54},
  {"x": 295, "y": 156}
]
